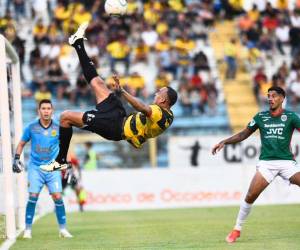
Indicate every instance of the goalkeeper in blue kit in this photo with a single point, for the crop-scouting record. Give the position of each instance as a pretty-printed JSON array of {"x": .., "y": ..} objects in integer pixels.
[{"x": 43, "y": 134}]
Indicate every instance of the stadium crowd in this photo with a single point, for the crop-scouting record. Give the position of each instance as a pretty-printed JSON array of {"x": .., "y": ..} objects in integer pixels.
[
  {"x": 270, "y": 34},
  {"x": 166, "y": 32},
  {"x": 163, "y": 33}
]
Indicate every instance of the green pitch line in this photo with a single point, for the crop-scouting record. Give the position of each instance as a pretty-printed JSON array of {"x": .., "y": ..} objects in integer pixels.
[{"x": 268, "y": 227}]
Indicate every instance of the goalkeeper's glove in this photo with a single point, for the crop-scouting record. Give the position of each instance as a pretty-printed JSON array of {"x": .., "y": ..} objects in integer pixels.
[{"x": 17, "y": 164}]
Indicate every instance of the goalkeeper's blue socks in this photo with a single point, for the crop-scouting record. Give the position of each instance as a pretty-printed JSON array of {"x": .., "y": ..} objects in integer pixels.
[
  {"x": 60, "y": 213},
  {"x": 30, "y": 209}
]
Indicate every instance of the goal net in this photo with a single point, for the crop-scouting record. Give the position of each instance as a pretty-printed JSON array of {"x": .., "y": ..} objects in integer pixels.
[{"x": 12, "y": 186}]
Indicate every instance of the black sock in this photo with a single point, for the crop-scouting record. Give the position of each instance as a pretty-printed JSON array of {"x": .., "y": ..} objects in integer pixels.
[
  {"x": 87, "y": 65},
  {"x": 65, "y": 135}
]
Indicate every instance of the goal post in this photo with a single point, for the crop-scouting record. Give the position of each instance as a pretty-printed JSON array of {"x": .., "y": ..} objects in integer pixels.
[{"x": 6, "y": 50}]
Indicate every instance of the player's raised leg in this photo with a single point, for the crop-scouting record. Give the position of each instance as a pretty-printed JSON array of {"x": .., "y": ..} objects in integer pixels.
[
  {"x": 87, "y": 65},
  {"x": 258, "y": 184},
  {"x": 67, "y": 120}
]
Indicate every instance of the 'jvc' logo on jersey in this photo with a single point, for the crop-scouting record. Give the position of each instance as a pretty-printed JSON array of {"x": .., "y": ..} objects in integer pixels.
[{"x": 275, "y": 131}]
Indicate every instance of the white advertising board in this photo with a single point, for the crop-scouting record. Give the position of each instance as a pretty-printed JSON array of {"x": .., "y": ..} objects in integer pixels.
[
  {"x": 195, "y": 151},
  {"x": 175, "y": 188},
  {"x": 170, "y": 188}
]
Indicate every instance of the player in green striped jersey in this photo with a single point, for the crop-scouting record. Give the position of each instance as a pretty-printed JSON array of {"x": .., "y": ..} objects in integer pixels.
[{"x": 276, "y": 128}]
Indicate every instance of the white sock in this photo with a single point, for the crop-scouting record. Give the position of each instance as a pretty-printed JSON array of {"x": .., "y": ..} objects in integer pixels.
[{"x": 245, "y": 209}]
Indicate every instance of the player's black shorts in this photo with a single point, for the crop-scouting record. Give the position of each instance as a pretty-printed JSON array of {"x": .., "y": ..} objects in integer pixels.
[{"x": 107, "y": 120}]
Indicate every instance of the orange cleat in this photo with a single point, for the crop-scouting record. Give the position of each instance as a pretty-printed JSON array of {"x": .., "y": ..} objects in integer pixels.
[{"x": 232, "y": 237}]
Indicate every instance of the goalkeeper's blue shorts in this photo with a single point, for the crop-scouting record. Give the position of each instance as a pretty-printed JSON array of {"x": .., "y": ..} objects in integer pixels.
[{"x": 37, "y": 178}]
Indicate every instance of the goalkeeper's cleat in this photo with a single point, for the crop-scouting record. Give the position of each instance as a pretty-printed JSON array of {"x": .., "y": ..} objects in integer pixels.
[
  {"x": 79, "y": 34},
  {"x": 232, "y": 237},
  {"x": 27, "y": 234},
  {"x": 64, "y": 233},
  {"x": 54, "y": 165}
]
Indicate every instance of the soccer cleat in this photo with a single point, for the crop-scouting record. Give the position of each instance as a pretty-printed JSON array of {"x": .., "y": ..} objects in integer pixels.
[
  {"x": 64, "y": 233},
  {"x": 79, "y": 34},
  {"x": 232, "y": 237},
  {"x": 53, "y": 166},
  {"x": 27, "y": 234}
]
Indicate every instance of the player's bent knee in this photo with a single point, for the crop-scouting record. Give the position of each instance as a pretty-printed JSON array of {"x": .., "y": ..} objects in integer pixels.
[
  {"x": 65, "y": 117},
  {"x": 56, "y": 196},
  {"x": 250, "y": 198},
  {"x": 36, "y": 195}
]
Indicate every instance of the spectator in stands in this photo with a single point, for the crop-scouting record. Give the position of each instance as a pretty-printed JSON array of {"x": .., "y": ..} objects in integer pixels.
[
  {"x": 295, "y": 18},
  {"x": 119, "y": 52},
  {"x": 39, "y": 73},
  {"x": 254, "y": 13},
  {"x": 294, "y": 91},
  {"x": 263, "y": 90},
  {"x": 282, "y": 36},
  {"x": 40, "y": 32},
  {"x": 245, "y": 23},
  {"x": 57, "y": 81},
  {"x": 259, "y": 78},
  {"x": 169, "y": 31},
  {"x": 42, "y": 93},
  {"x": 149, "y": 35},
  {"x": 294, "y": 35},
  {"x": 81, "y": 15},
  {"x": 266, "y": 46},
  {"x": 141, "y": 52},
  {"x": 162, "y": 80},
  {"x": 19, "y": 7},
  {"x": 200, "y": 62},
  {"x": 270, "y": 22},
  {"x": 82, "y": 95},
  {"x": 184, "y": 98},
  {"x": 184, "y": 46},
  {"x": 231, "y": 58},
  {"x": 136, "y": 83},
  {"x": 40, "y": 10},
  {"x": 212, "y": 96},
  {"x": 166, "y": 55}
]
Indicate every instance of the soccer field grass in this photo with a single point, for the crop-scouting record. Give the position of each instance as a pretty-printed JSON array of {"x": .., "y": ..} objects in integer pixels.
[
  {"x": 2, "y": 229},
  {"x": 268, "y": 227}
]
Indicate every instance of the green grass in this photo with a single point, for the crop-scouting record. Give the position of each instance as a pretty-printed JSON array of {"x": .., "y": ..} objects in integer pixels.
[
  {"x": 2, "y": 229},
  {"x": 268, "y": 227}
]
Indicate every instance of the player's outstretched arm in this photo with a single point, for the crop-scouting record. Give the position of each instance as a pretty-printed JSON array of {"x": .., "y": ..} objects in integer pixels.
[
  {"x": 135, "y": 102},
  {"x": 244, "y": 134}
]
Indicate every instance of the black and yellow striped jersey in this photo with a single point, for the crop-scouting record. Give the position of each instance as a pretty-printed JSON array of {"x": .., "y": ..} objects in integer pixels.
[{"x": 138, "y": 127}]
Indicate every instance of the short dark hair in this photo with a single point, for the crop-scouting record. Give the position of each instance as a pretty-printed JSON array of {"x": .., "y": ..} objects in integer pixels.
[
  {"x": 172, "y": 96},
  {"x": 44, "y": 101},
  {"x": 278, "y": 90}
]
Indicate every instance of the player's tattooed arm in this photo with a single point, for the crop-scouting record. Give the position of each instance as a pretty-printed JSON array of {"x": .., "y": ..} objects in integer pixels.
[
  {"x": 135, "y": 102},
  {"x": 244, "y": 134}
]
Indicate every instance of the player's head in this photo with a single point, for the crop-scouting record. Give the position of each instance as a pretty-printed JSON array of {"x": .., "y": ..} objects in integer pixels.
[
  {"x": 276, "y": 97},
  {"x": 165, "y": 96},
  {"x": 88, "y": 144},
  {"x": 45, "y": 109}
]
